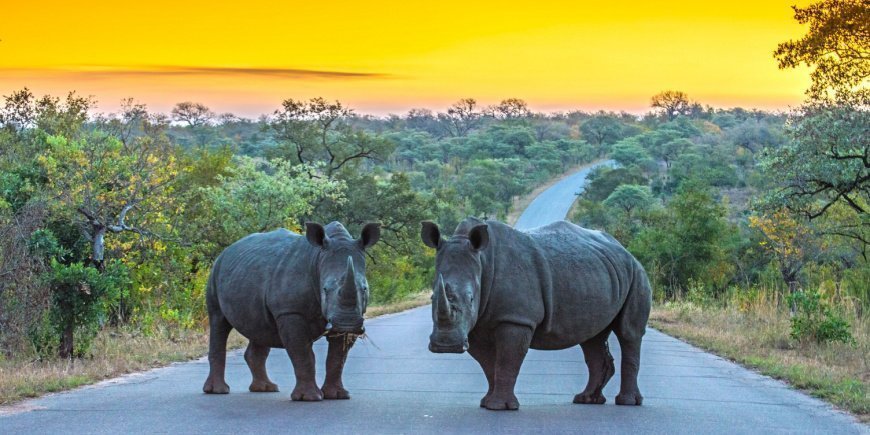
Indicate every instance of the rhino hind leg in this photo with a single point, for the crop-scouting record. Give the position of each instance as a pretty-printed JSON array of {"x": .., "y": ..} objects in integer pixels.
[
  {"x": 630, "y": 326},
  {"x": 255, "y": 356},
  {"x": 511, "y": 344},
  {"x": 219, "y": 331},
  {"x": 600, "y": 363},
  {"x": 484, "y": 354},
  {"x": 294, "y": 332}
]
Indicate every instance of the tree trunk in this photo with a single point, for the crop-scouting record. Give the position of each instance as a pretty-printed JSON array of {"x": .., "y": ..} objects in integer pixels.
[{"x": 66, "y": 341}]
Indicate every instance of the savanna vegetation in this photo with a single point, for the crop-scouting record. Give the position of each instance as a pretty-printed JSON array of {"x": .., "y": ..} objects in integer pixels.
[{"x": 753, "y": 226}]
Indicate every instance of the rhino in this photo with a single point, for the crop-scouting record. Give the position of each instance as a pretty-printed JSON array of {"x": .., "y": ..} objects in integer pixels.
[
  {"x": 499, "y": 291},
  {"x": 282, "y": 290}
]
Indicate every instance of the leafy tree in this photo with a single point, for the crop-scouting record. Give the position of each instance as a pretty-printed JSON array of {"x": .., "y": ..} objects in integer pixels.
[
  {"x": 629, "y": 153},
  {"x": 837, "y": 47},
  {"x": 630, "y": 198},
  {"x": 461, "y": 117},
  {"x": 316, "y": 131},
  {"x": 510, "y": 109},
  {"x": 671, "y": 104},
  {"x": 602, "y": 129},
  {"x": 260, "y": 196},
  {"x": 689, "y": 239}
]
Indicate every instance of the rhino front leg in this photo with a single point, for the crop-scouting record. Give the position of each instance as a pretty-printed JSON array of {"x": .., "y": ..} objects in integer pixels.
[
  {"x": 219, "y": 330},
  {"x": 294, "y": 331},
  {"x": 511, "y": 344},
  {"x": 484, "y": 354},
  {"x": 339, "y": 346},
  {"x": 600, "y": 364},
  {"x": 255, "y": 356}
]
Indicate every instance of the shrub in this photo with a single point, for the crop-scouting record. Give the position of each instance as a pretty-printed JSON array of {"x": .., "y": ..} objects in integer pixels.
[{"x": 815, "y": 319}]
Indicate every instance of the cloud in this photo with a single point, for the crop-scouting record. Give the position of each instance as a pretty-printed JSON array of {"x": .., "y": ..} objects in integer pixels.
[{"x": 102, "y": 72}]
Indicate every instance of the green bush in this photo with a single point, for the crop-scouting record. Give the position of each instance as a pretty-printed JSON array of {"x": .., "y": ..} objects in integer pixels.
[
  {"x": 81, "y": 299},
  {"x": 814, "y": 319}
]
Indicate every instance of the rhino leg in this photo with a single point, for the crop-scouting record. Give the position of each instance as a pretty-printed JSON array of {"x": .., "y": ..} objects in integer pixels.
[
  {"x": 295, "y": 336},
  {"x": 339, "y": 346},
  {"x": 629, "y": 326},
  {"x": 629, "y": 394},
  {"x": 484, "y": 353},
  {"x": 511, "y": 344},
  {"x": 219, "y": 330},
  {"x": 255, "y": 356},
  {"x": 600, "y": 364}
]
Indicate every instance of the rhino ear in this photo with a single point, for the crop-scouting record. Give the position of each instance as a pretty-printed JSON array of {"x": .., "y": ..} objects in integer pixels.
[
  {"x": 479, "y": 237},
  {"x": 430, "y": 234},
  {"x": 370, "y": 235},
  {"x": 316, "y": 235}
]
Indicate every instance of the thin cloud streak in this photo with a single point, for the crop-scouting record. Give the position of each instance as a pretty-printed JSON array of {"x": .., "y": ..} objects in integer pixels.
[{"x": 187, "y": 71}]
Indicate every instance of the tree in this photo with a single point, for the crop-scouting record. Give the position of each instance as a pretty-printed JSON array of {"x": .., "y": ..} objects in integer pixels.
[
  {"x": 260, "y": 195},
  {"x": 837, "y": 46},
  {"x": 630, "y": 198},
  {"x": 316, "y": 131},
  {"x": 102, "y": 180},
  {"x": 826, "y": 162},
  {"x": 602, "y": 129},
  {"x": 688, "y": 240},
  {"x": 629, "y": 153},
  {"x": 671, "y": 104},
  {"x": 511, "y": 109},
  {"x": 461, "y": 117},
  {"x": 192, "y": 114},
  {"x": 789, "y": 240}
]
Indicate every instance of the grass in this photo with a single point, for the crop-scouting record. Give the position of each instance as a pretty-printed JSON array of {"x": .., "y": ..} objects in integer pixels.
[
  {"x": 757, "y": 336},
  {"x": 118, "y": 352}
]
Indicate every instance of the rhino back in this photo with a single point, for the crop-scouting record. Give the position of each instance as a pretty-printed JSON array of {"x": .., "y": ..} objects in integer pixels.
[
  {"x": 592, "y": 275},
  {"x": 261, "y": 277}
]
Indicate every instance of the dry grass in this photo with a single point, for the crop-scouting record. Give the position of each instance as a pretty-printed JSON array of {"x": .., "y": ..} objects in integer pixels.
[
  {"x": 115, "y": 352},
  {"x": 118, "y": 352},
  {"x": 413, "y": 301},
  {"x": 757, "y": 336}
]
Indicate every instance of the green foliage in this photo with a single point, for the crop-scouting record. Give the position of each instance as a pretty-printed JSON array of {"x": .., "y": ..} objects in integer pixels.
[
  {"x": 82, "y": 297},
  {"x": 816, "y": 320},
  {"x": 260, "y": 196},
  {"x": 689, "y": 239}
]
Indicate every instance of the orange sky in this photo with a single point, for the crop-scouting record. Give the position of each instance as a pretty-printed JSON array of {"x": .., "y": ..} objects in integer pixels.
[{"x": 390, "y": 56}]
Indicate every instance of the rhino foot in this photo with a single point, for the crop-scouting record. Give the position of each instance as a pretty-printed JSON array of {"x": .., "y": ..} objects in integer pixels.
[
  {"x": 332, "y": 392},
  {"x": 500, "y": 403},
  {"x": 632, "y": 398},
  {"x": 306, "y": 393},
  {"x": 215, "y": 387},
  {"x": 590, "y": 398},
  {"x": 263, "y": 387}
]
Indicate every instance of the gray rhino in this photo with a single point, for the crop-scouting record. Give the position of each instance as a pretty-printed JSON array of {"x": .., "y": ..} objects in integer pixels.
[
  {"x": 280, "y": 290},
  {"x": 499, "y": 291}
]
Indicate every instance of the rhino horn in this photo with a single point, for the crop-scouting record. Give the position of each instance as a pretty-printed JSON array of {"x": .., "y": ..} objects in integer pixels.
[
  {"x": 348, "y": 295},
  {"x": 443, "y": 305}
]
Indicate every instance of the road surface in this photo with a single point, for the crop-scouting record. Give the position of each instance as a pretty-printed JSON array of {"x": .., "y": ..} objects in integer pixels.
[
  {"x": 398, "y": 386},
  {"x": 553, "y": 204}
]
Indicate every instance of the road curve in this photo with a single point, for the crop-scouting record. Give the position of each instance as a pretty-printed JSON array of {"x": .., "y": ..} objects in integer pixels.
[
  {"x": 553, "y": 204},
  {"x": 398, "y": 386}
]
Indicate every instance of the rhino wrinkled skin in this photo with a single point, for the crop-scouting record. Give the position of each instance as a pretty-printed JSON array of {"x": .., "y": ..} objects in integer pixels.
[
  {"x": 282, "y": 290},
  {"x": 499, "y": 291}
]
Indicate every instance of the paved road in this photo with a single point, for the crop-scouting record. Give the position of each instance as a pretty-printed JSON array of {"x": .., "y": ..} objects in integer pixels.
[
  {"x": 397, "y": 386},
  {"x": 553, "y": 204}
]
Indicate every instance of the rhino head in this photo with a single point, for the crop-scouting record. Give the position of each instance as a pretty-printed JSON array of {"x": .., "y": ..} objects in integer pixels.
[
  {"x": 341, "y": 267},
  {"x": 456, "y": 292}
]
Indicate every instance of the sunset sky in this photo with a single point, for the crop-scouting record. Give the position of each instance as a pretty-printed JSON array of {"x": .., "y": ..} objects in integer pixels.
[{"x": 390, "y": 56}]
